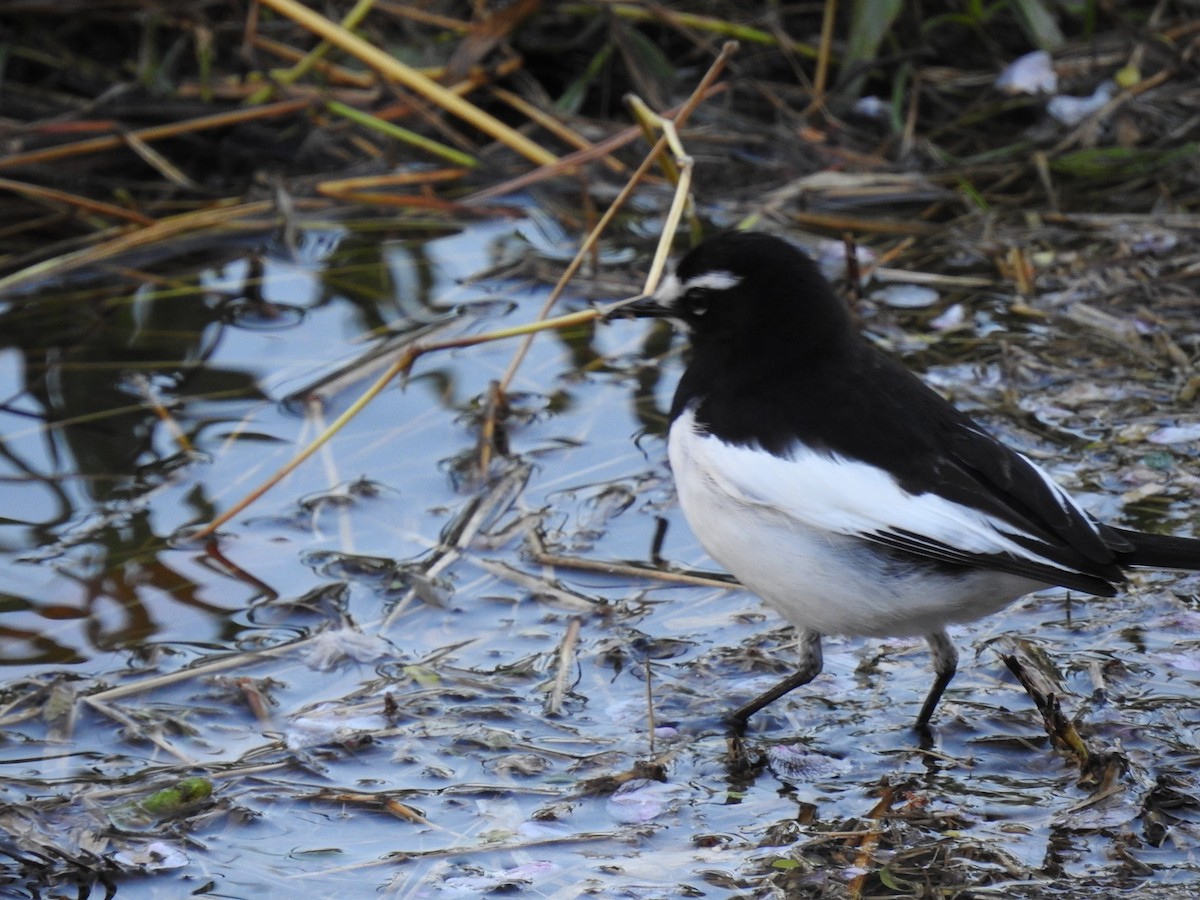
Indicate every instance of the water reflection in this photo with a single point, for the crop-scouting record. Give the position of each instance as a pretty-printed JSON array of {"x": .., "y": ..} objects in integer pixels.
[{"x": 129, "y": 394}]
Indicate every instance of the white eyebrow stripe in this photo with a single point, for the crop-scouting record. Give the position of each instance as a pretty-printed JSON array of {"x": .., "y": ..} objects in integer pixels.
[
  {"x": 715, "y": 281},
  {"x": 671, "y": 288}
]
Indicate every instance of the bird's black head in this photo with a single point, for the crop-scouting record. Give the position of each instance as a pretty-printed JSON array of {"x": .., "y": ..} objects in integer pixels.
[{"x": 751, "y": 294}]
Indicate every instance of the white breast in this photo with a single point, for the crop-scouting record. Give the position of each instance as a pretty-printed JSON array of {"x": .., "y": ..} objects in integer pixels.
[{"x": 789, "y": 529}]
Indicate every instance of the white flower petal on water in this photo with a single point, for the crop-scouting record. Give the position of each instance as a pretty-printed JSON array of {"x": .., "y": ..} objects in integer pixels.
[
  {"x": 952, "y": 318},
  {"x": 1175, "y": 434},
  {"x": 1073, "y": 110},
  {"x": 871, "y": 107},
  {"x": 1032, "y": 73},
  {"x": 156, "y": 856},
  {"x": 331, "y": 647},
  {"x": 641, "y": 800},
  {"x": 906, "y": 296}
]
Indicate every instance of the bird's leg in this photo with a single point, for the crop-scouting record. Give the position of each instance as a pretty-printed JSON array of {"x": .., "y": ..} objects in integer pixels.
[
  {"x": 945, "y": 664},
  {"x": 809, "y": 668}
]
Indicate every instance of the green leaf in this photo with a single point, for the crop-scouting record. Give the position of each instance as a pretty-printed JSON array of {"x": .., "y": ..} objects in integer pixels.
[
  {"x": 1038, "y": 24},
  {"x": 870, "y": 21},
  {"x": 1119, "y": 162},
  {"x": 573, "y": 97},
  {"x": 891, "y": 882}
]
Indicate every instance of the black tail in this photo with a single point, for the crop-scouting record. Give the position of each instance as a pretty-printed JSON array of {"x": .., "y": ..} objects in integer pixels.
[{"x": 1159, "y": 551}]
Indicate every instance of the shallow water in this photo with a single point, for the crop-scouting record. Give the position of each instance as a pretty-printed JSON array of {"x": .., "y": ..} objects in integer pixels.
[{"x": 361, "y": 668}]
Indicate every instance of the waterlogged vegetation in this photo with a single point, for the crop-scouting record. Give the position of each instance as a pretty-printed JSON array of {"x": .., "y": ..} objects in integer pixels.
[{"x": 468, "y": 646}]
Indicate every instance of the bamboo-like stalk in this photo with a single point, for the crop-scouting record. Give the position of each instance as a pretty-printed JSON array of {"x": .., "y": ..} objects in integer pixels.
[
  {"x": 157, "y": 132},
  {"x": 634, "y": 12},
  {"x": 411, "y": 79},
  {"x": 313, "y": 57},
  {"x": 552, "y": 125},
  {"x": 404, "y": 135},
  {"x": 161, "y": 230},
  {"x": 84, "y": 204}
]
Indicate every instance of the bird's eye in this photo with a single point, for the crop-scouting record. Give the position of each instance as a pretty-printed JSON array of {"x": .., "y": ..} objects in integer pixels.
[{"x": 696, "y": 300}]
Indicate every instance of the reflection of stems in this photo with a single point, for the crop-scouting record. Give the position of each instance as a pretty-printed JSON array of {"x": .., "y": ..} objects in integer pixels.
[
  {"x": 143, "y": 386},
  {"x": 400, "y": 366}
]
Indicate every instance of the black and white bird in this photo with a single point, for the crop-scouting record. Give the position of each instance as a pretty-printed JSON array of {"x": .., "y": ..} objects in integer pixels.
[{"x": 842, "y": 490}]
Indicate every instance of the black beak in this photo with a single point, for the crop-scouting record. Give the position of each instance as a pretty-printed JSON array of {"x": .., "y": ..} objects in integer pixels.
[{"x": 643, "y": 307}]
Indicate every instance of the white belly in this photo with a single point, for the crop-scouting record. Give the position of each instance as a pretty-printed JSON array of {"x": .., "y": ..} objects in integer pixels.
[{"x": 820, "y": 580}]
